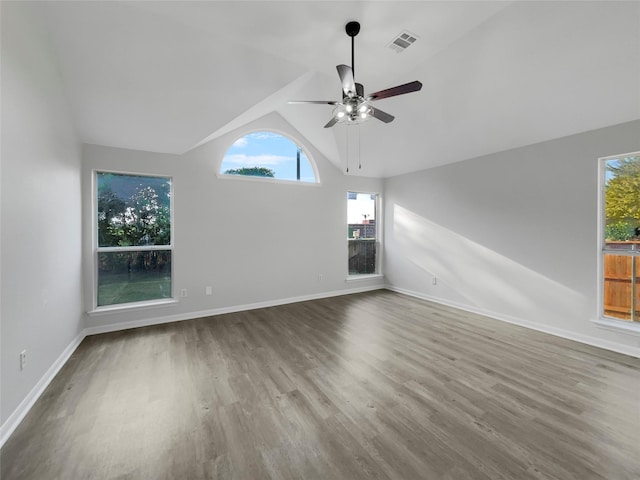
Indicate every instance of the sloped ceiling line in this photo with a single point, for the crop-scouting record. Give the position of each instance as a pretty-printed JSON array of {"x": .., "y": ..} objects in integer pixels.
[{"x": 168, "y": 76}]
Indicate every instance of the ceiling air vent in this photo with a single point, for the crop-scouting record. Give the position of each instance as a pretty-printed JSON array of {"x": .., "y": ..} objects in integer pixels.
[{"x": 402, "y": 41}]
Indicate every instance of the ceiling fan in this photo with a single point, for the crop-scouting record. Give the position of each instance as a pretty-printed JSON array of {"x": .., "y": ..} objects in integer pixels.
[{"x": 355, "y": 107}]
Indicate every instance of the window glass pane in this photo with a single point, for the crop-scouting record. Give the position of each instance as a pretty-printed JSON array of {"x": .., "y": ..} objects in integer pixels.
[
  {"x": 622, "y": 203},
  {"x": 267, "y": 155},
  {"x": 361, "y": 232},
  {"x": 133, "y": 210},
  {"x": 125, "y": 277}
]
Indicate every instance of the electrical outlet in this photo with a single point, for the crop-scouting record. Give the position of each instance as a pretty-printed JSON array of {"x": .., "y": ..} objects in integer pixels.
[
  {"x": 183, "y": 292},
  {"x": 434, "y": 280},
  {"x": 23, "y": 359},
  {"x": 320, "y": 277},
  {"x": 208, "y": 290}
]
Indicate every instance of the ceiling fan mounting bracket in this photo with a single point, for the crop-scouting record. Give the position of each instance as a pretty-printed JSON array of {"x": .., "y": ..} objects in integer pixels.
[{"x": 352, "y": 28}]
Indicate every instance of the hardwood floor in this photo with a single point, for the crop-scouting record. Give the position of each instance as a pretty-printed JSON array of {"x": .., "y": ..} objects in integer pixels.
[{"x": 375, "y": 385}]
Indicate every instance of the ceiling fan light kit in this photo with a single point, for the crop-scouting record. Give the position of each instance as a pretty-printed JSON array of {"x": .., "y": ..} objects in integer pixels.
[
  {"x": 353, "y": 111},
  {"x": 355, "y": 107}
]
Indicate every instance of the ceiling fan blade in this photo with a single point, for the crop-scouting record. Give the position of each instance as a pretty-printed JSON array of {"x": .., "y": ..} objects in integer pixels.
[
  {"x": 346, "y": 78},
  {"x": 332, "y": 122},
  {"x": 314, "y": 102},
  {"x": 382, "y": 116},
  {"x": 393, "y": 91}
]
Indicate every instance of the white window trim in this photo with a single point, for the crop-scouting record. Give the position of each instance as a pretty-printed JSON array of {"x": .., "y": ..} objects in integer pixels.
[
  {"x": 366, "y": 276},
  {"x": 379, "y": 234},
  {"x": 618, "y": 325},
  {"x": 95, "y": 249},
  {"x": 608, "y": 323},
  {"x": 128, "y": 307},
  {"x": 281, "y": 181}
]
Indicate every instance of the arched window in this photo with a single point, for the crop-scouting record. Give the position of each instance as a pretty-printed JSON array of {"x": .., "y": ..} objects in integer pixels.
[{"x": 268, "y": 155}]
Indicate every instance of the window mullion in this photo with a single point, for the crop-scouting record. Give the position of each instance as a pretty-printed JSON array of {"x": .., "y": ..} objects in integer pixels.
[{"x": 140, "y": 248}]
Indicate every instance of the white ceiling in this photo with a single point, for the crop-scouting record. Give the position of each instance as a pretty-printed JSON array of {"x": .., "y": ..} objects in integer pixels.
[{"x": 166, "y": 76}]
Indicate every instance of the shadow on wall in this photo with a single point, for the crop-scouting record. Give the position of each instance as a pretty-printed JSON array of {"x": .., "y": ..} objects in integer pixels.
[{"x": 482, "y": 277}]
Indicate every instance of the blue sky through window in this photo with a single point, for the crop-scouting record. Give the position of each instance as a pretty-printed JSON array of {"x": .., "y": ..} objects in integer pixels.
[
  {"x": 360, "y": 207},
  {"x": 270, "y": 150},
  {"x": 608, "y": 174}
]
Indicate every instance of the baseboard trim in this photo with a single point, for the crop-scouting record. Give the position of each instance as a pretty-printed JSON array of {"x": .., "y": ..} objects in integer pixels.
[
  {"x": 9, "y": 426},
  {"x": 114, "y": 327},
  {"x": 558, "y": 332}
]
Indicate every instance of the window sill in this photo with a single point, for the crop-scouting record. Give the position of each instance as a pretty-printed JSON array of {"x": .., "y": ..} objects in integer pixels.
[
  {"x": 128, "y": 307},
  {"x": 619, "y": 326},
  {"x": 254, "y": 178},
  {"x": 356, "y": 278}
]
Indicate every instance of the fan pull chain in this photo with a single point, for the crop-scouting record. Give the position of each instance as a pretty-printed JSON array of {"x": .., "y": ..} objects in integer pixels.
[
  {"x": 359, "y": 154},
  {"x": 347, "y": 134}
]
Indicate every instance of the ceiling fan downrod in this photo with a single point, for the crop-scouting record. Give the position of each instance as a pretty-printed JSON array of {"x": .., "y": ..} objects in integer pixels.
[{"x": 352, "y": 29}]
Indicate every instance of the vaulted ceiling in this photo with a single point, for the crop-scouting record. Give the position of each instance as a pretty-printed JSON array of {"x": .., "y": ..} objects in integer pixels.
[{"x": 167, "y": 76}]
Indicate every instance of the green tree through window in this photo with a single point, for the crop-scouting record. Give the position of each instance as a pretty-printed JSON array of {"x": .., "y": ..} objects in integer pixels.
[
  {"x": 251, "y": 172},
  {"x": 622, "y": 198}
]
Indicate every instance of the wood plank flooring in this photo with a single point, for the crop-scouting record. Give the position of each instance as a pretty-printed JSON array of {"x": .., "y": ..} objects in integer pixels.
[{"x": 368, "y": 386}]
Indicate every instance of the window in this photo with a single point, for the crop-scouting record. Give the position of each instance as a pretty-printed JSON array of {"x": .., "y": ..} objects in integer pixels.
[
  {"x": 362, "y": 233},
  {"x": 268, "y": 155},
  {"x": 133, "y": 238},
  {"x": 620, "y": 234}
]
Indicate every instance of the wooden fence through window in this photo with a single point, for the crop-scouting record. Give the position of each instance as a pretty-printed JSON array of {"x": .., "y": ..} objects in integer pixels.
[{"x": 621, "y": 278}]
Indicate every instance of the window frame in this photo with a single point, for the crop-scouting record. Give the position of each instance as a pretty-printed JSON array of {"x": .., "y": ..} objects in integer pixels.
[
  {"x": 97, "y": 249},
  {"x": 379, "y": 240},
  {"x": 610, "y": 323},
  {"x": 292, "y": 138}
]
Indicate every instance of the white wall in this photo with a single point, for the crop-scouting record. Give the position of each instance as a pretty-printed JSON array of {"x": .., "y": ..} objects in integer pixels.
[
  {"x": 41, "y": 304},
  {"x": 254, "y": 242},
  {"x": 512, "y": 235}
]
